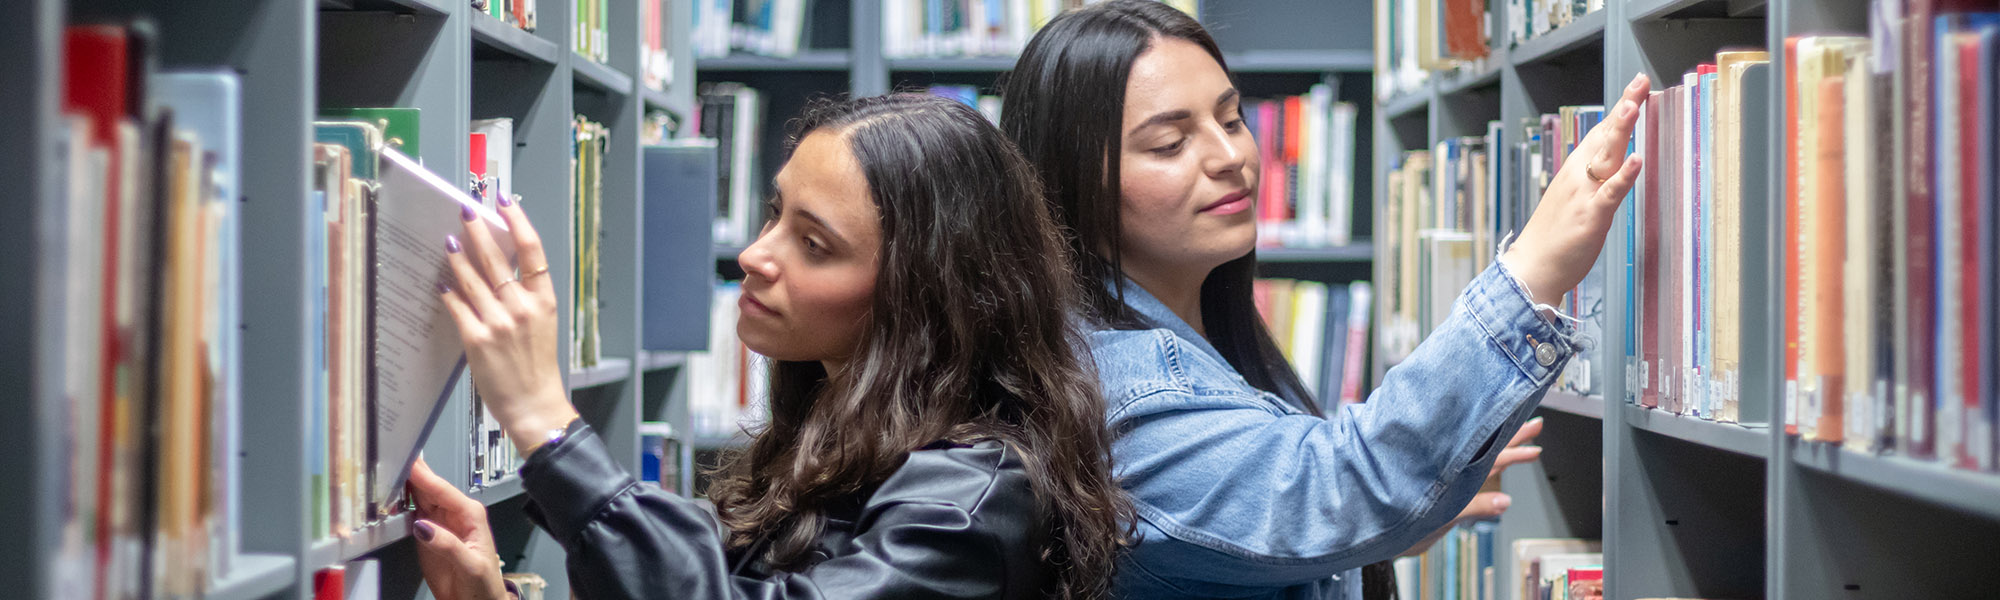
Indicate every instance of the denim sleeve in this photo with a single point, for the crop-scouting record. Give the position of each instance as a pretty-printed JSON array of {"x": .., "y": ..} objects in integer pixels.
[{"x": 1252, "y": 497}]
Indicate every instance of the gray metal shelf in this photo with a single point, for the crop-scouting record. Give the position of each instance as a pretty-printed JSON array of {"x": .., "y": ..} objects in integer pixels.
[
  {"x": 501, "y": 491},
  {"x": 358, "y": 543},
  {"x": 255, "y": 576},
  {"x": 427, "y": 7},
  {"x": 1467, "y": 79},
  {"x": 1582, "y": 406},
  {"x": 1970, "y": 491},
  {"x": 1300, "y": 61},
  {"x": 1645, "y": 10},
  {"x": 491, "y": 33},
  {"x": 809, "y": 60},
  {"x": 1746, "y": 440},
  {"x": 1249, "y": 61},
  {"x": 718, "y": 443},
  {"x": 657, "y": 361},
  {"x": 599, "y": 76},
  {"x": 965, "y": 64},
  {"x": 608, "y": 371},
  {"x": 1579, "y": 33},
  {"x": 1361, "y": 251},
  {"x": 1408, "y": 104}
]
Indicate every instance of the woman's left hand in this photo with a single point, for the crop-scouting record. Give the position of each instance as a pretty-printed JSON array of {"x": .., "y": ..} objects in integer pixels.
[
  {"x": 1562, "y": 239},
  {"x": 455, "y": 546},
  {"x": 508, "y": 326},
  {"x": 1490, "y": 505}
]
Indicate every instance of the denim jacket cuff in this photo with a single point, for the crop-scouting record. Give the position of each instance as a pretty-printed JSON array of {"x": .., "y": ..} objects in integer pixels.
[
  {"x": 1538, "y": 345},
  {"x": 569, "y": 481}
]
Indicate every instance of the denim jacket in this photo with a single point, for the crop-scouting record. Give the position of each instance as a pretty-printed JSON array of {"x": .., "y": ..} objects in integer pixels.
[{"x": 1242, "y": 494}]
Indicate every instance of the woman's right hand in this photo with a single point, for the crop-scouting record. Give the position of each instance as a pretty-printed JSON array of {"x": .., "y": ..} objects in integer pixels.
[
  {"x": 455, "y": 547},
  {"x": 508, "y": 325},
  {"x": 1561, "y": 241}
]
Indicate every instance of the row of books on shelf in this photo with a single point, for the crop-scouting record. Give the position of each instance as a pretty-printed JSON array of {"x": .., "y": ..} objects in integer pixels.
[
  {"x": 152, "y": 289},
  {"x": 1889, "y": 322},
  {"x": 660, "y": 455},
  {"x": 361, "y": 579},
  {"x": 592, "y": 143},
  {"x": 1323, "y": 330},
  {"x": 1465, "y": 565},
  {"x": 941, "y": 28},
  {"x": 1415, "y": 39},
  {"x": 589, "y": 37},
  {"x": 656, "y": 61},
  {"x": 1889, "y": 338},
  {"x": 147, "y": 269},
  {"x": 518, "y": 13},
  {"x": 732, "y": 114},
  {"x": 1305, "y": 146},
  {"x": 766, "y": 27},
  {"x": 987, "y": 104},
  {"x": 492, "y": 457},
  {"x": 1704, "y": 140},
  {"x": 728, "y": 385},
  {"x": 1448, "y": 208}
]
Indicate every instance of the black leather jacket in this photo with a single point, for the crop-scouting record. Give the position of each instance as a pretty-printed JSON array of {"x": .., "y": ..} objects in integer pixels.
[{"x": 953, "y": 522}]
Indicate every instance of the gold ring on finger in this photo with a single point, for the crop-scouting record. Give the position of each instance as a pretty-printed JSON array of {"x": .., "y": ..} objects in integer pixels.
[
  {"x": 541, "y": 271},
  {"x": 1592, "y": 174}
]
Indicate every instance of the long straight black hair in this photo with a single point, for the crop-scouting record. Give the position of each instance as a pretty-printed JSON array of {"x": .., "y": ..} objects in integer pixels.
[{"x": 1065, "y": 104}]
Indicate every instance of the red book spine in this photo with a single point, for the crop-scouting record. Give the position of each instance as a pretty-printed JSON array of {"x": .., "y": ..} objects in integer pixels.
[
  {"x": 1970, "y": 198},
  {"x": 1827, "y": 348},
  {"x": 1921, "y": 296},
  {"x": 1649, "y": 269},
  {"x": 95, "y": 78},
  {"x": 330, "y": 583}
]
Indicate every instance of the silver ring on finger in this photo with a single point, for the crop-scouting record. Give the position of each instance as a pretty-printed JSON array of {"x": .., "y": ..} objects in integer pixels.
[{"x": 503, "y": 284}]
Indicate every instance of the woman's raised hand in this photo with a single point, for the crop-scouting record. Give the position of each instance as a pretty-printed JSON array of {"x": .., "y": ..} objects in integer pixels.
[
  {"x": 508, "y": 325},
  {"x": 1561, "y": 241}
]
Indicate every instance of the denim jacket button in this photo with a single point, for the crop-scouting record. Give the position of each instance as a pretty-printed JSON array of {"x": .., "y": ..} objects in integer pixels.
[{"x": 1545, "y": 353}]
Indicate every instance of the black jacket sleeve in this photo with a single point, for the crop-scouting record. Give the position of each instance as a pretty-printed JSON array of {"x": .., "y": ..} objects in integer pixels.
[{"x": 951, "y": 523}]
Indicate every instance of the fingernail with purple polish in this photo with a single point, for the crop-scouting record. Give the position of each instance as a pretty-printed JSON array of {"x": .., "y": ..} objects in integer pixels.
[
  {"x": 465, "y": 213},
  {"x": 424, "y": 530},
  {"x": 506, "y": 200},
  {"x": 442, "y": 288},
  {"x": 451, "y": 244}
]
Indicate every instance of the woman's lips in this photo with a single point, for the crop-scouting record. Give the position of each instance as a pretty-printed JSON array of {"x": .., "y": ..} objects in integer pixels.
[
  {"x": 1230, "y": 204},
  {"x": 749, "y": 305}
]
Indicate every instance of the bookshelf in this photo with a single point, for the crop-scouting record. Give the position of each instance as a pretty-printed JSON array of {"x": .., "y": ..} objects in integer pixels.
[
  {"x": 1273, "y": 47},
  {"x": 1688, "y": 507},
  {"x": 448, "y": 59}
]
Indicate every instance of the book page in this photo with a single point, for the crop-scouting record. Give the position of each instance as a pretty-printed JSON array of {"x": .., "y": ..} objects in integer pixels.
[{"x": 417, "y": 353}]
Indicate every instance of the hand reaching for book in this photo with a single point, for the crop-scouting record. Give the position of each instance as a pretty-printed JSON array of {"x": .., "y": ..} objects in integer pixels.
[
  {"x": 1561, "y": 240},
  {"x": 1490, "y": 505},
  {"x": 455, "y": 546},
  {"x": 508, "y": 324}
]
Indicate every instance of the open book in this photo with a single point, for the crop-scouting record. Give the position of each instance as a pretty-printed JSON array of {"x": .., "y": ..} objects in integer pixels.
[{"x": 417, "y": 355}]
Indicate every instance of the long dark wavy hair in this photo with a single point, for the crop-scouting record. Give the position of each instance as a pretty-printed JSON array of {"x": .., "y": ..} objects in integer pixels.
[
  {"x": 1065, "y": 104},
  {"x": 970, "y": 338}
]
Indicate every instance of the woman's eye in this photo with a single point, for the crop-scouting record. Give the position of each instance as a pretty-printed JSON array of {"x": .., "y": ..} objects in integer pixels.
[
  {"x": 813, "y": 246},
  {"x": 1233, "y": 126},
  {"x": 1170, "y": 148}
]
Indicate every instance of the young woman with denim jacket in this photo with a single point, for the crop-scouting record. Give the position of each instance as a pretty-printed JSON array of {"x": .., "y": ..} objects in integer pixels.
[
  {"x": 931, "y": 433},
  {"x": 1242, "y": 488}
]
